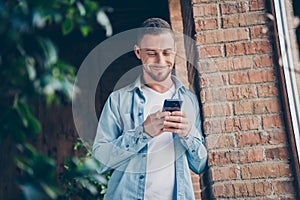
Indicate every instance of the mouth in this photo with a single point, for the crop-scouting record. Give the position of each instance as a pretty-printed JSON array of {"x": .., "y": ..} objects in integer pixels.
[{"x": 158, "y": 67}]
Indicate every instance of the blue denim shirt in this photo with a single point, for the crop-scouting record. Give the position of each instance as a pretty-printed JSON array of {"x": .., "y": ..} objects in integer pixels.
[{"x": 121, "y": 145}]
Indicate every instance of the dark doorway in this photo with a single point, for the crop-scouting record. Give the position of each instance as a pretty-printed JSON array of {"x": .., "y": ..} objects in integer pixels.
[{"x": 126, "y": 15}]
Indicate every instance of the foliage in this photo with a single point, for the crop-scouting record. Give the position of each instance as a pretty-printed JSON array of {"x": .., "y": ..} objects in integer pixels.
[
  {"x": 81, "y": 178},
  {"x": 31, "y": 70}
]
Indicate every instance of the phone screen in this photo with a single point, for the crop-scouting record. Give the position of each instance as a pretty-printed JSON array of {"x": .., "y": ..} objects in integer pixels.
[{"x": 172, "y": 105}]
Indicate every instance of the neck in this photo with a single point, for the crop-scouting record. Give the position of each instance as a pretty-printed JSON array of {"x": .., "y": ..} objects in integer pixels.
[{"x": 160, "y": 87}]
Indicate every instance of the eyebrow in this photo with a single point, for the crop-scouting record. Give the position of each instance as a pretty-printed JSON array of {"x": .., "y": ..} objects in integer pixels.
[{"x": 168, "y": 49}]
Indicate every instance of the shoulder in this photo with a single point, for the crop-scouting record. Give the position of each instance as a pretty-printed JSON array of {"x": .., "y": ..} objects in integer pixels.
[{"x": 122, "y": 92}]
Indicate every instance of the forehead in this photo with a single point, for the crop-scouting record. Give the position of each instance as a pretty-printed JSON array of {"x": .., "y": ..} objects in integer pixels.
[{"x": 158, "y": 41}]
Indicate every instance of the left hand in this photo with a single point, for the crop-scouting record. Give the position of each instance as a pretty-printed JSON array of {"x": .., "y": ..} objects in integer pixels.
[{"x": 177, "y": 122}]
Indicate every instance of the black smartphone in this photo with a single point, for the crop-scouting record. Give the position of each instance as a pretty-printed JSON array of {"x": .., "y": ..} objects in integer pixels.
[{"x": 172, "y": 105}]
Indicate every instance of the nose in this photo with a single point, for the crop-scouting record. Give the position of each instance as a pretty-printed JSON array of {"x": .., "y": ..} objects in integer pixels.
[{"x": 160, "y": 58}]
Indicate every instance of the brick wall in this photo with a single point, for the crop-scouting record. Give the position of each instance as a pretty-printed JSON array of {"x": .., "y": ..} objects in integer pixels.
[{"x": 249, "y": 155}]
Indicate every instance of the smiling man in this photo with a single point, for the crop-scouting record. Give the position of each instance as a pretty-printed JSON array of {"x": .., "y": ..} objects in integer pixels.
[{"x": 150, "y": 151}]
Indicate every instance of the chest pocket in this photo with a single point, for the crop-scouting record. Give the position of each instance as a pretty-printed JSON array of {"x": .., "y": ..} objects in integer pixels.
[{"x": 127, "y": 122}]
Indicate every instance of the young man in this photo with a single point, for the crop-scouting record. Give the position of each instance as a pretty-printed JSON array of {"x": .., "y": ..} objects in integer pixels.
[{"x": 149, "y": 150}]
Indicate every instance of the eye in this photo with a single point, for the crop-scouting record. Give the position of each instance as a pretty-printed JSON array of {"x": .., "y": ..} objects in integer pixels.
[
  {"x": 168, "y": 53},
  {"x": 151, "y": 53}
]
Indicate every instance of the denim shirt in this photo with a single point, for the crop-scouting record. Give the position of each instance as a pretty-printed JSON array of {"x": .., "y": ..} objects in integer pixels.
[{"x": 121, "y": 145}]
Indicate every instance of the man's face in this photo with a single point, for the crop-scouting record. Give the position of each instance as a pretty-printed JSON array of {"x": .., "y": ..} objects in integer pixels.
[{"x": 157, "y": 54}]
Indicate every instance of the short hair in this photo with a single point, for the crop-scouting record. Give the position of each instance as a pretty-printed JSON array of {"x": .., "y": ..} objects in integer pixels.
[{"x": 153, "y": 26}]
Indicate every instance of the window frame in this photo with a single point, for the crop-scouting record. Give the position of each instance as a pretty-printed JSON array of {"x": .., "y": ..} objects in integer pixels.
[{"x": 288, "y": 82}]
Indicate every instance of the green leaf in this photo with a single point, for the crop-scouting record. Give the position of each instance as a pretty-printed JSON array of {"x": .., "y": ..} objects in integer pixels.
[
  {"x": 85, "y": 30},
  {"x": 51, "y": 191},
  {"x": 104, "y": 21},
  {"x": 81, "y": 8},
  {"x": 30, "y": 62},
  {"x": 49, "y": 51},
  {"x": 67, "y": 26}
]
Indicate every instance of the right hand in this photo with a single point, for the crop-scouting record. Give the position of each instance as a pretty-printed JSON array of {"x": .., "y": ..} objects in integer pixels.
[{"x": 153, "y": 125}]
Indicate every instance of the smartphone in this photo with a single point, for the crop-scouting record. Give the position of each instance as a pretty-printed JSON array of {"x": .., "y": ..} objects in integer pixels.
[{"x": 172, "y": 105}]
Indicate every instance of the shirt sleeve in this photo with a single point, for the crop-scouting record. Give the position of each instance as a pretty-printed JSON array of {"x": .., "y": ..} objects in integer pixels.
[
  {"x": 113, "y": 146},
  {"x": 195, "y": 144}
]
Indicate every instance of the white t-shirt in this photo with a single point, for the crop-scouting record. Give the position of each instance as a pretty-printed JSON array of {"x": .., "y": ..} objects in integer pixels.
[{"x": 160, "y": 175}]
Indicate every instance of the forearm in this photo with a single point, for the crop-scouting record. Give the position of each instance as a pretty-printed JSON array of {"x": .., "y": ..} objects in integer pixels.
[
  {"x": 117, "y": 152},
  {"x": 196, "y": 150}
]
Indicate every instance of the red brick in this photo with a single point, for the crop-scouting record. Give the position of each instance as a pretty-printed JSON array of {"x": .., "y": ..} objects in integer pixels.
[
  {"x": 243, "y": 108},
  {"x": 219, "y": 141},
  {"x": 263, "y": 61},
  {"x": 221, "y": 36},
  {"x": 266, "y": 106},
  {"x": 225, "y": 64},
  {"x": 211, "y": 51},
  {"x": 283, "y": 187},
  {"x": 261, "y": 138},
  {"x": 205, "y": 10},
  {"x": 272, "y": 122},
  {"x": 248, "y": 48},
  {"x": 211, "y": 80},
  {"x": 244, "y": 189},
  {"x": 251, "y": 77},
  {"x": 239, "y": 93},
  {"x": 233, "y": 8},
  {"x": 222, "y": 190},
  {"x": 261, "y": 76},
  {"x": 259, "y": 32},
  {"x": 177, "y": 26},
  {"x": 257, "y": 5},
  {"x": 231, "y": 124},
  {"x": 206, "y": 24},
  {"x": 204, "y": 1},
  {"x": 238, "y": 156},
  {"x": 243, "y": 20},
  {"x": 246, "y": 123},
  {"x": 251, "y": 139},
  {"x": 212, "y": 95},
  {"x": 216, "y": 110},
  {"x": 239, "y": 78},
  {"x": 276, "y": 137},
  {"x": 224, "y": 173},
  {"x": 262, "y": 188},
  {"x": 278, "y": 153},
  {"x": 267, "y": 90},
  {"x": 267, "y": 170}
]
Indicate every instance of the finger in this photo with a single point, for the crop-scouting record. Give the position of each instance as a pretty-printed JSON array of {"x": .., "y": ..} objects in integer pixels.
[
  {"x": 174, "y": 130},
  {"x": 177, "y": 119},
  {"x": 160, "y": 115},
  {"x": 168, "y": 124},
  {"x": 177, "y": 113}
]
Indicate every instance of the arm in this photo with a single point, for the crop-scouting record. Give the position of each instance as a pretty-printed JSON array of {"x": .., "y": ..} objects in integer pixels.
[
  {"x": 196, "y": 150},
  {"x": 188, "y": 130},
  {"x": 114, "y": 146}
]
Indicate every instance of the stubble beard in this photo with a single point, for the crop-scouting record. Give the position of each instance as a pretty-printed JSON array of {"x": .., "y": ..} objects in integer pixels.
[{"x": 158, "y": 77}]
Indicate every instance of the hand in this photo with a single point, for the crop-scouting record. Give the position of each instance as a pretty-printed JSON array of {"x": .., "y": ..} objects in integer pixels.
[
  {"x": 154, "y": 123},
  {"x": 177, "y": 122}
]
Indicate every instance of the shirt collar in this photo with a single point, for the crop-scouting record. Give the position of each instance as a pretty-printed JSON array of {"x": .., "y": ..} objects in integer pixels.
[{"x": 137, "y": 84}]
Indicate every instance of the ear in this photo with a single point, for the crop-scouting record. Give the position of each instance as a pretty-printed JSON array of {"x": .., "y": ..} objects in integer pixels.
[{"x": 137, "y": 51}]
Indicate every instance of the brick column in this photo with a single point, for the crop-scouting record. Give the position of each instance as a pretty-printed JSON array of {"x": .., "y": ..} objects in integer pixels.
[
  {"x": 181, "y": 69},
  {"x": 243, "y": 123}
]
